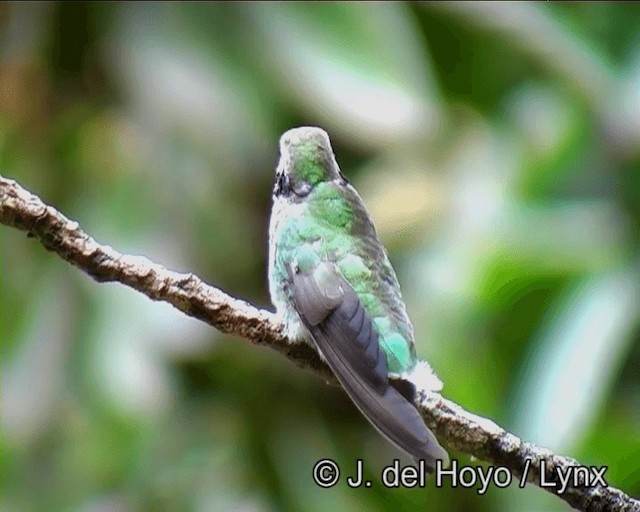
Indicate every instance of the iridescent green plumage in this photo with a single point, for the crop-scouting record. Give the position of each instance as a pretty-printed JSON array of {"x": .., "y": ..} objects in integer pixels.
[
  {"x": 333, "y": 223},
  {"x": 325, "y": 266},
  {"x": 333, "y": 229}
]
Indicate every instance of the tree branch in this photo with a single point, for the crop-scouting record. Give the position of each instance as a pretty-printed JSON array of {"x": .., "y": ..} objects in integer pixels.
[{"x": 460, "y": 429}]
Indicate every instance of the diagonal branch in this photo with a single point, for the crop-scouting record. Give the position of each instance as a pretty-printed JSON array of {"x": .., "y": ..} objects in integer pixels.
[{"x": 460, "y": 429}]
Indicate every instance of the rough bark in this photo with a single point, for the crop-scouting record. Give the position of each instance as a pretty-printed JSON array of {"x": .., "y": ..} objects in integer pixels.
[{"x": 458, "y": 428}]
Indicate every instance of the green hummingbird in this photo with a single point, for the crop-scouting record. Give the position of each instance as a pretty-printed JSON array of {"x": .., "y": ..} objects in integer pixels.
[{"x": 333, "y": 286}]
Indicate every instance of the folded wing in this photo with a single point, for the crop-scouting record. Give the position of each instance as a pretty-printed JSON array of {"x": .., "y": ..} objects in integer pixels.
[{"x": 346, "y": 336}]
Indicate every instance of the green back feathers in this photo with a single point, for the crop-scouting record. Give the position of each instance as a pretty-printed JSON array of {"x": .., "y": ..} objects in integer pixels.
[
  {"x": 332, "y": 207},
  {"x": 329, "y": 230},
  {"x": 331, "y": 223}
]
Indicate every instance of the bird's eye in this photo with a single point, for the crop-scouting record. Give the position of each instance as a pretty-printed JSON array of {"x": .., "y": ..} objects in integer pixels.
[{"x": 302, "y": 189}]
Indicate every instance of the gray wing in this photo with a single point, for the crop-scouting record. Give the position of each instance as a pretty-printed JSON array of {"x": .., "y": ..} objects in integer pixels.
[{"x": 345, "y": 335}]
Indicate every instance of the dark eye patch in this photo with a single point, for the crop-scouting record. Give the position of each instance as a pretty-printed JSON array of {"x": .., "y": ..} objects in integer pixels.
[{"x": 282, "y": 187}]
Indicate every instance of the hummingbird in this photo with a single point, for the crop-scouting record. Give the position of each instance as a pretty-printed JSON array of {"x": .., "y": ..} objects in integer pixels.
[{"x": 333, "y": 287}]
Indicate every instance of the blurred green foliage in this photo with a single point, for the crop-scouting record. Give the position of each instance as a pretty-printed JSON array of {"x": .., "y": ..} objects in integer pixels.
[{"x": 498, "y": 149}]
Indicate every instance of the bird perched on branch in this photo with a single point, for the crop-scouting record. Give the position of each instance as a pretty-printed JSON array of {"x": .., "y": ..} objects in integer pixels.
[{"x": 333, "y": 286}]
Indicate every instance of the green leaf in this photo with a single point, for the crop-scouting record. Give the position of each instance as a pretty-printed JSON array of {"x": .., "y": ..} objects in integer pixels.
[{"x": 359, "y": 69}]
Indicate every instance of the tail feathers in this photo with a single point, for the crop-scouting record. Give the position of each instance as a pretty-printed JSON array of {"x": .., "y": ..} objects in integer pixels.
[
  {"x": 387, "y": 410},
  {"x": 345, "y": 335},
  {"x": 399, "y": 421}
]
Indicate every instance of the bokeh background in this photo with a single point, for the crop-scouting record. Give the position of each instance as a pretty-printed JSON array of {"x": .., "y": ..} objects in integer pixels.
[{"x": 497, "y": 147}]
